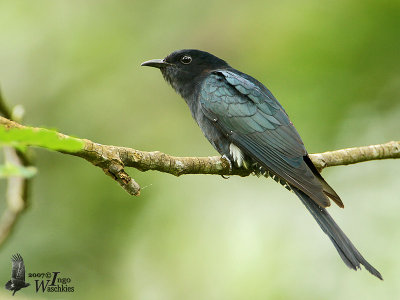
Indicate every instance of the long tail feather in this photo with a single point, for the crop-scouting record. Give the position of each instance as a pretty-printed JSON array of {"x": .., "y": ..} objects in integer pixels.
[{"x": 350, "y": 255}]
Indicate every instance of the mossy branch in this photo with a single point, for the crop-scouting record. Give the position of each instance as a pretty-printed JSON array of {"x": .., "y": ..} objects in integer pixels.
[{"x": 113, "y": 159}]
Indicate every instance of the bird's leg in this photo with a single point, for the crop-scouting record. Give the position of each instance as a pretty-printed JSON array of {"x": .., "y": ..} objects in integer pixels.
[{"x": 230, "y": 165}]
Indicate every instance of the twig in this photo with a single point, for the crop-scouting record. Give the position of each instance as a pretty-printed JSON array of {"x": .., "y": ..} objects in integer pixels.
[
  {"x": 4, "y": 110},
  {"x": 17, "y": 187},
  {"x": 16, "y": 196}
]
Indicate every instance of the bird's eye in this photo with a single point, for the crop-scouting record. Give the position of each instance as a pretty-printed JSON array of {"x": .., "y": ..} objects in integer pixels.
[{"x": 186, "y": 59}]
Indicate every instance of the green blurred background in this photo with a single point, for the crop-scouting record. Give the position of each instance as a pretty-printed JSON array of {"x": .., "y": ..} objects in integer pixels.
[{"x": 74, "y": 66}]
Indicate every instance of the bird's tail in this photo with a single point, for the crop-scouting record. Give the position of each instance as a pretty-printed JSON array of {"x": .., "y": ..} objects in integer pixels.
[
  {"x": 8, "y": 285},
  {"x": 350, "y": 255}
]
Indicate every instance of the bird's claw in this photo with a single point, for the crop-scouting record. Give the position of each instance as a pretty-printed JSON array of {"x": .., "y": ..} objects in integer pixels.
[{"x": 229, "y": 161}]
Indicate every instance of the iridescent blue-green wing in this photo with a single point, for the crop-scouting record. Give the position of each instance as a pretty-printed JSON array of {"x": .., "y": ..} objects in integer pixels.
[{"x": 254, "y": 121}]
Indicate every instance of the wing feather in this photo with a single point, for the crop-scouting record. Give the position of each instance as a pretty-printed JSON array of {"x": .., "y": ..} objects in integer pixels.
[
  {"x": 253, "y": 119},
  {"x": 18, "y": 267}
]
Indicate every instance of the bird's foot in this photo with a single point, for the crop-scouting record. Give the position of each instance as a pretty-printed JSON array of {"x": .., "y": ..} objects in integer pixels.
[{"x": 229, "y": 161}]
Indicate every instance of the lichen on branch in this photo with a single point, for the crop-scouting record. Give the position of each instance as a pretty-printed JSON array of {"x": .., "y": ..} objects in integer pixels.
[{"x": 113, "y": 159}]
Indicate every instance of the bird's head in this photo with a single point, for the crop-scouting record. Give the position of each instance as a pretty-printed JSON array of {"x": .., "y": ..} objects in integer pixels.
[{"x": 183, "y": 69}]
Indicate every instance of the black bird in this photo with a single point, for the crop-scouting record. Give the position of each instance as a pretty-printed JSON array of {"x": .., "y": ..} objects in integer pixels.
[
  {"x": 246, "y": 124},
  {"x": 17, "y": 281}
]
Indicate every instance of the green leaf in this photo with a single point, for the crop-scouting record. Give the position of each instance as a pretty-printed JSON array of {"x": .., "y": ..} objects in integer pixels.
[
  {"x": 10, "y": 170},
  {"x": 49, "y": 139}
]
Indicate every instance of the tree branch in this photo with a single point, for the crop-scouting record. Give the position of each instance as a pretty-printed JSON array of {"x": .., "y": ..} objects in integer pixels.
[
  {"x": 17, "y": 187},
  {"x": 16, "y": 196},
  {"x": 113, "y": 159}
]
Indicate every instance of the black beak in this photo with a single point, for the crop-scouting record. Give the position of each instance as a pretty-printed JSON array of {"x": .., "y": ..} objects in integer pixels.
[{"x": 156, "y": 63}]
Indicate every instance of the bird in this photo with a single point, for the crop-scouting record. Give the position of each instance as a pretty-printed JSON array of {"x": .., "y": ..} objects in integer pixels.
[
  {"x": 247, "y": 125},
  {"x": 17, "y": 281}
]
